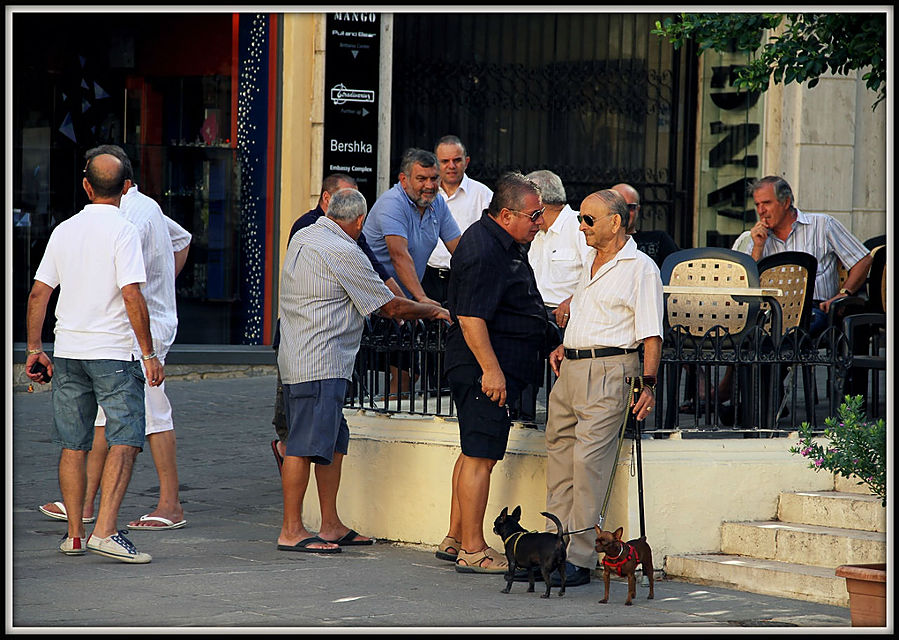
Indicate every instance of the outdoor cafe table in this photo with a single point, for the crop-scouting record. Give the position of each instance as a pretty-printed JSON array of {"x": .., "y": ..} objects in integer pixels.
[{"x": 768, "y": 294}]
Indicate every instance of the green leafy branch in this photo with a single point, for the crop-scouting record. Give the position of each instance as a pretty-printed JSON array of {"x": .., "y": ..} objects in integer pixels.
[{"x": 807, "y": 46}]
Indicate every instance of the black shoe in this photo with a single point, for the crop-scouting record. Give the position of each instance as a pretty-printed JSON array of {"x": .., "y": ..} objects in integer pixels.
[
  {"x": 521, "y": 575},
  {"x": 574, "y": 576}
]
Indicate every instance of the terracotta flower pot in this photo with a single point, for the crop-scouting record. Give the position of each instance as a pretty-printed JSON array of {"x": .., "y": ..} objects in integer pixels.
[{"x": 867, "y": 585}]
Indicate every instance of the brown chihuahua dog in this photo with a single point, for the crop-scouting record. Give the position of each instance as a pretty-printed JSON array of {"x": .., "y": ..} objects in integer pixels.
[{"x": 623, "y": 558}]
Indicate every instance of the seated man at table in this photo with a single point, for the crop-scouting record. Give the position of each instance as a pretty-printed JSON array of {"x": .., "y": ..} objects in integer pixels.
[{"x": 783, "y": 227}]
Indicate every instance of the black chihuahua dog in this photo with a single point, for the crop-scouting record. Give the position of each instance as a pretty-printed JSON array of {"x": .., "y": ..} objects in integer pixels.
[{"x": 529, "y": 550}]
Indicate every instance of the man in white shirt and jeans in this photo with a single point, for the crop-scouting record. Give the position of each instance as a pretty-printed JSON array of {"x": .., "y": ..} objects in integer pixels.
[
  {"x": 95, "y": 259},
  {"x": 164, "y": 247},
  {"x": 466, "y": 199}
]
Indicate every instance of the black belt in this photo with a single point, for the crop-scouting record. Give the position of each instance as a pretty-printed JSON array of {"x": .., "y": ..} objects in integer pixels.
[
  {"x": 440, "y": 273},
  {"x": 578, "y": 354}
]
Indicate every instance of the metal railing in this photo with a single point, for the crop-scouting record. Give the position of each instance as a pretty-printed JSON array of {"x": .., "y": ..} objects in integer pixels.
[{"x": 775, "y": 385}]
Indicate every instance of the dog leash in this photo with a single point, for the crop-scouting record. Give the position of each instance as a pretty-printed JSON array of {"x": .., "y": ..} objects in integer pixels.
[{"x": 631, "y": 390}]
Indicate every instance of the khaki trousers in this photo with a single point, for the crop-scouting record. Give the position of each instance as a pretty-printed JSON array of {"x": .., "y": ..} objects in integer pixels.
[{"x": 586, "y": 407}]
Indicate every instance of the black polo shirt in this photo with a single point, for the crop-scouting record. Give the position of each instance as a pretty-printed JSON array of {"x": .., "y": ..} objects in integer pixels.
[{"x": 491, "y": 278}]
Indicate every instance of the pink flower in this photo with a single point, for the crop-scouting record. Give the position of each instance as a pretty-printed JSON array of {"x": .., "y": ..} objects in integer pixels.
[{"x": 819, "y": 462}]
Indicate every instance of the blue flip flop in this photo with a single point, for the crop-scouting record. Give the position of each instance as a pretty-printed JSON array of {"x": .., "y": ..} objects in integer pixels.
[{"x": 303, "y": 546}]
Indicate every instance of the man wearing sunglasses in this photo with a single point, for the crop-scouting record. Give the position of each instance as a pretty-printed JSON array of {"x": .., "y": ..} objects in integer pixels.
[
  {"x": 617, "y": 306},
  {"x": 494, "y": 348}
]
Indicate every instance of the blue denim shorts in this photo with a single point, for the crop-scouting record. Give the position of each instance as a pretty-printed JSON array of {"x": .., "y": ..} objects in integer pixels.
[
  {"x": 314, "y": 411},
  {"x": 80, "y": 385}
]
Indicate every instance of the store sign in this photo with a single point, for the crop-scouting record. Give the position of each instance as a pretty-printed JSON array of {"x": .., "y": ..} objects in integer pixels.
[
  {"x": 730, "y": 147},
  {"x": 352, "y": 62}
]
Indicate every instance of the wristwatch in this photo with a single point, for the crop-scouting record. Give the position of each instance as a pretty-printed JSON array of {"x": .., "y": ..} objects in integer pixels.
[{"x": 846, "y": 291}]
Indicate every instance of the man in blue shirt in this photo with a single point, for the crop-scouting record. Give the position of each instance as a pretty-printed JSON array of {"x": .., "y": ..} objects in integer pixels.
[
  {"x": 402, "y": 230},
  {"x": 405, "y": 223}
]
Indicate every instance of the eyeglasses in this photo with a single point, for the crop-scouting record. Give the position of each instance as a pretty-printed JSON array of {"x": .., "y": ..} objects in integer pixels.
[
  {"x": 632, "y": 205},
  {"x": 534, "y": 215}
]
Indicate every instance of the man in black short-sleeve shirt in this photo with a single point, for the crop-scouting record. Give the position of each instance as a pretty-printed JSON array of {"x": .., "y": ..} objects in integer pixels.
[{"x": 495, "y": 346}]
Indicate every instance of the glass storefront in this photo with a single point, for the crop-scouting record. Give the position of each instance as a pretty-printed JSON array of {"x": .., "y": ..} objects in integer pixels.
[{"x": 177, "y": 92}]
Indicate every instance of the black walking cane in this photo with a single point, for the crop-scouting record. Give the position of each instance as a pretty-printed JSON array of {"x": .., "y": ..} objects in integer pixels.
[{"x": 636, "y": 386}]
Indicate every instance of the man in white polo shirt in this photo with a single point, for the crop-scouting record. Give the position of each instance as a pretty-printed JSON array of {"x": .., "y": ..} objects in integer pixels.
[
  {"x": 164, "y": 246},
  {"x": 95, "y": 259}
]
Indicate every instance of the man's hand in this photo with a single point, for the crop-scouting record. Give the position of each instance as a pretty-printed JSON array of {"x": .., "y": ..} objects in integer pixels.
[
  {"x": 556, "y": 357},
  {"x": 759, "y": 233},
  {"x": 493, "y": 384},
  {"x": 563, "y": 312},
  {"x": 644, "y": 404},
  {"x": 42, "y": 358},
  {"x": 154, "y": 372},
  {"x": 427, "y": 300}
]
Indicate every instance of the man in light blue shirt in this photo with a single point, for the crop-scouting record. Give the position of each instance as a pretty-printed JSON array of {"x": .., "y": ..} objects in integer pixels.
[{"x": 405, "y": 223}]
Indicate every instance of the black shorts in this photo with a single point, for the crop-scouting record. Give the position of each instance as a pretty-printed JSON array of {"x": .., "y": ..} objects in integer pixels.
[{"x": 483, "y": 424}]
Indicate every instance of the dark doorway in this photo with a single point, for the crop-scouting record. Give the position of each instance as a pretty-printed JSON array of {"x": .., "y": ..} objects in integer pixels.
[{"x": 595, "y": 98}]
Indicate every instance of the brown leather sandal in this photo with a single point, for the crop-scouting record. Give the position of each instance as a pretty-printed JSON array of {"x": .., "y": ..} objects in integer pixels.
[
  {"x": 448, "y": 549},
  {"x": 474, "y": 562}
]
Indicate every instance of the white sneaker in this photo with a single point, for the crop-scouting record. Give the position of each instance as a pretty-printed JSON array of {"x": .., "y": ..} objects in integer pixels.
[
  {"x": 119, "y": 547},
  {"x": 72, "y": 546}
]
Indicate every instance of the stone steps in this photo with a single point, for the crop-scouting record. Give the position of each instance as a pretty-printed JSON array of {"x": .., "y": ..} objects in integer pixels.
[
  {"x": 768, "y": 577},
  {"x": 795, "y": 555}
]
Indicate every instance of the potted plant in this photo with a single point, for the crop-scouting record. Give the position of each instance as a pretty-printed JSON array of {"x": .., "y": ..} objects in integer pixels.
[{"x": 856, "y": 450}]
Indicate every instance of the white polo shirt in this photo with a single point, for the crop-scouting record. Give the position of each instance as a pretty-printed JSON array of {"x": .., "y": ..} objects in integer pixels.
[
  {"x": 466, "y": 205},
  {"x": 90, "y": 257},
  {"x": 558, "y": 257}
]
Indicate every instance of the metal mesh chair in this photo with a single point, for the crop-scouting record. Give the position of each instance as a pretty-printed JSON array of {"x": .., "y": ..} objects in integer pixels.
[
  {"x": 793, "y": 272},
  {"x": 706, "y": 267},
  {"x": 703, "y": 321}
]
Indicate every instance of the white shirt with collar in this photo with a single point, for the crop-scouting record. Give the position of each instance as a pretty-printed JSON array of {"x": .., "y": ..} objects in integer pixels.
[
  {"x": 558, "y": 257},
  {"x": 466, "y": 205},
  {"x": 620, "y": 305}
]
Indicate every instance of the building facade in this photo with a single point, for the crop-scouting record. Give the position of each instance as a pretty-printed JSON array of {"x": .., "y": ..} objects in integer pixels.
[{"x": 232, "y": 120}]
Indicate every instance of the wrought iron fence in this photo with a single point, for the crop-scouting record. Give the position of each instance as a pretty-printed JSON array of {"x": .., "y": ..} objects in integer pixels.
[{"x": 713, "y": 386}]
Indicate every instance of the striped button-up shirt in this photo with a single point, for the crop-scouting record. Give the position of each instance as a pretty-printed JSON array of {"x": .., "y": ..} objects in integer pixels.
[
  {"x": 820, "y": 235},
  {"x": 619, "y": 306},
  {"x": 327, "y": 287}
]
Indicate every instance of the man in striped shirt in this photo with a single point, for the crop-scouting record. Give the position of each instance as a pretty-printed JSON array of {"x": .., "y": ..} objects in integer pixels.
[
  {"x": 783, "y": 227},
  {"x": 328, "y": 286}
]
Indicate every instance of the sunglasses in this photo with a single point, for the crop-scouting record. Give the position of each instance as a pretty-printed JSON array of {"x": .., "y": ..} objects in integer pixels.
[
  {"x": 590, "y": 220},
  {"x": 534, "y": 215}
]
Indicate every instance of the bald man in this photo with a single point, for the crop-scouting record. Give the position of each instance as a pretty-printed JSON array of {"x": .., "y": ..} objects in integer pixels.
[
  {"x": 616, "y": 306},
  {"x": 655, "y": 243},
  {"x": 95, "y": 259}
]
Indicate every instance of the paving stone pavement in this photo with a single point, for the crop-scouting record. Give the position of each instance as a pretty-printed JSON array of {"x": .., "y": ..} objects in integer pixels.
[{"x": 223, "y": 571}]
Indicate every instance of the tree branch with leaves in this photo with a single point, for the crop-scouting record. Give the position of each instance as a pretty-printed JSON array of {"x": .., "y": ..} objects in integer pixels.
[{"x": 800, "y": 47}]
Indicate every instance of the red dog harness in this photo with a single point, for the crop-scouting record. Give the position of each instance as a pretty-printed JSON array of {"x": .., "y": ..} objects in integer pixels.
[{"x": 618, "y": 561}]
